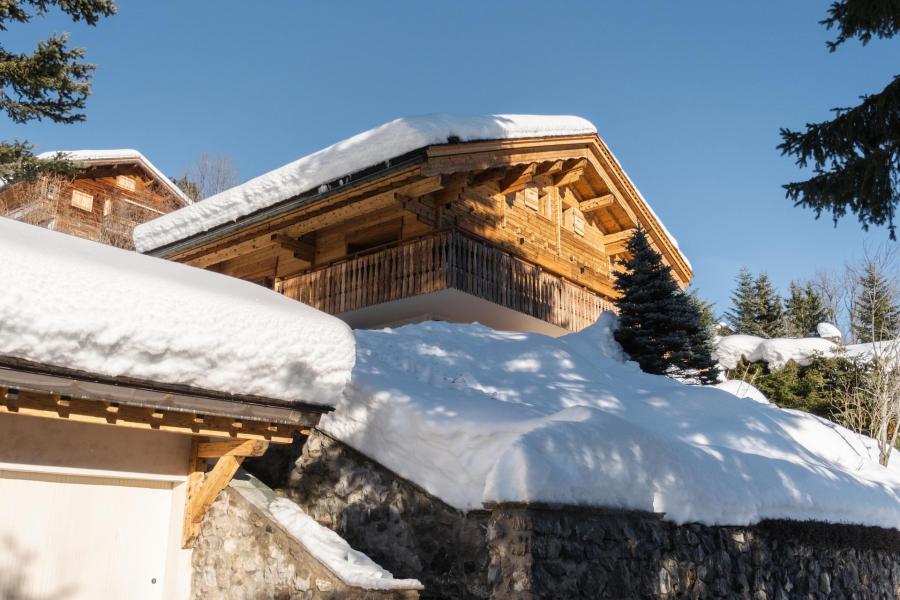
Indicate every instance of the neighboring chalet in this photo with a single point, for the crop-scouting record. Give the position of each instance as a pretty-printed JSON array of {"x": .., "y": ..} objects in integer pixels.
[
  {"x": 514, "y": 221},
  {"x": 117, "y": 190},
  {"x": 121, "y": 377}
]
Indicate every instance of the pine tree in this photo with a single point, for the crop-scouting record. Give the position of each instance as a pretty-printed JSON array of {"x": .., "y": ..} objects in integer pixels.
[
  {"x": 876, "y": 316},
  {"x": 659, "y": 327},
  {"x": 745, "y": 306},
  {"x": 804, "y": 311},
  {"x": 856, "y": 155},
  {"x": 51, "y": 83},
  {"x": 770, "y": 318}
]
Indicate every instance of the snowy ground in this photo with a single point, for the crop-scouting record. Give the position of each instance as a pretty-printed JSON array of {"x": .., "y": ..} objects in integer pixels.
[
  {"x": 477, "y": 416},
  {"x": 81, "y": 305}
]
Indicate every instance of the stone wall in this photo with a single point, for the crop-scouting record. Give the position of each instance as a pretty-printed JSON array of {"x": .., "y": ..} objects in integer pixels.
[
  {"x": 570, "y": 553},
  {"x": 401, "y": 527},
  {"x": 242, "y": 553},
  {"x": 531, "y": 552}
]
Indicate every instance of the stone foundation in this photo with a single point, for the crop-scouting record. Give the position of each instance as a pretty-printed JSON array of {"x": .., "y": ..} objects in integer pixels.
[
  {"x": 570, "y": 553},
  {"x": 242, "y": 553},
  {"x": 401, "y": 527},
  {"x": 529, "y": 552}
]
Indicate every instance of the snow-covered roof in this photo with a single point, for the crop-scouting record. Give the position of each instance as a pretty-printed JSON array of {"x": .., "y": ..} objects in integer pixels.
[
  {"x": 99, "y": 157},
  {"x": 354, "y": 154},
  {"x": 75, "y": 304},
  {"x": 477, "y": 416}
]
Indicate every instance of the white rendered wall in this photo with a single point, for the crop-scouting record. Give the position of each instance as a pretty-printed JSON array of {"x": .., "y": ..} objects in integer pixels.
[
  {"x": 449, "y": 305},
  {"x": 91, "y": 511}
]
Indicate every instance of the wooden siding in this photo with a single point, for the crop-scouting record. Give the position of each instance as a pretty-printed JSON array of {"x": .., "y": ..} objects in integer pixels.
[
  {"x": 442, "y": 261},
  {"x": 109, "y": 217}
]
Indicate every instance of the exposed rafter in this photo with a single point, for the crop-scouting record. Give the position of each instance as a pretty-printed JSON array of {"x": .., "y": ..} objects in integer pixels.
[
  {"x": 302, "y": 250},
  {"x": 598, "y": 203},
  {"x": 517, "y": 178},
  {"x": 615, "y": 243},
  {"x": 571, "y": 172}
]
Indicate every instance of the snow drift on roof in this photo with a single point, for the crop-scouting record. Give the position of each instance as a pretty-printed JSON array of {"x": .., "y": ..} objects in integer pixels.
[
  {"x": 474, "y": 415},
  {"x": 359, "y": 152},
  {"x": 120, "y": 154},
  {"x": 77, "y": 304}
]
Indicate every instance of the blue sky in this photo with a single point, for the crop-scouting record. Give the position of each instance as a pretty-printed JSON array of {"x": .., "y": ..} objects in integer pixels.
[{"x": 689, "y": 95}]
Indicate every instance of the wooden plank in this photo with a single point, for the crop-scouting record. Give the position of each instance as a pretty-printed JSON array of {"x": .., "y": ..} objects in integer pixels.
[
  {"x": 81, "y": 410},
  {"x": 232, "y": 448},
  {"x": 598, "y": 203},
  {"x": 196, "y": 470}
]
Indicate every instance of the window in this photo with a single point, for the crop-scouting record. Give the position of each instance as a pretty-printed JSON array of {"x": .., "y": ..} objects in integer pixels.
[
  {"x": 82, "y": 200},
  {"x": 107, "y": 207},
  {"x": 126, "y": 183},
  {"x": 573, "y": 219},
  {"x": 531, "y": 198}
]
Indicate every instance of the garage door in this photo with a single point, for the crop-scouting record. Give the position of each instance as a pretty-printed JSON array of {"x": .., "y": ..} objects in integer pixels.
[{"x": 82, "y": 537}]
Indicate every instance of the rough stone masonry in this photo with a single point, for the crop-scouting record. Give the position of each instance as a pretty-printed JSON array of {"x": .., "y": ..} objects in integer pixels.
[{"x": 528, "y": 552}]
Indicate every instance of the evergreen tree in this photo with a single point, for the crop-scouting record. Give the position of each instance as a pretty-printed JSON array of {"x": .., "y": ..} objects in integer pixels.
[
  {"x": 659, "y": 327},
  {"x": 856, "y": 155},
  {"x": 51, "y": 82},
  {"x": 804, "y": 311},
  {"x": 745, "y": 306},
  {"x": 876, "y": 316},
  {"x": 770, "y": 318}
]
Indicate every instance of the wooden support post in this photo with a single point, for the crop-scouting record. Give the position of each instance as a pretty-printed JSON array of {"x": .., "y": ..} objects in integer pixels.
[{"x": 203, "y": 488}]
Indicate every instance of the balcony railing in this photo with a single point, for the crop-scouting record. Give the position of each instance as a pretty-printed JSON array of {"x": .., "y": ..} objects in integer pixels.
[{"x": 444, "y": 261}]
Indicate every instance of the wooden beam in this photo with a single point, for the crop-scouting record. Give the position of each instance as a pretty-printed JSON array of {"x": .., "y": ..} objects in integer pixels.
[
  {"x": 204, "y": 488},
  {"x": 597, "y": 203},
  {"x": 517, "y": 178},
  {"x": 615, "y": 243},
  {"x": 196, "y": 470},
  {"x": 47, "y": 405},
  {"x": 302, "y": 250},
  {"x": 232, "y": 448},
  {"x": 572, "y": 172}
]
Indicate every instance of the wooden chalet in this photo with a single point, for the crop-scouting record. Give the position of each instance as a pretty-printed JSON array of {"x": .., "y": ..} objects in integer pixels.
[
  {"x": 521, "y": 232},
  {"x": 116, "y": 191}
]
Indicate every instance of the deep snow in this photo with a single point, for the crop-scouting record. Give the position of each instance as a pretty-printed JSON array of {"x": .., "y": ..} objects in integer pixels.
[
  {"x": 81, "y": 305},
  {"x": 476, "y": 416}
]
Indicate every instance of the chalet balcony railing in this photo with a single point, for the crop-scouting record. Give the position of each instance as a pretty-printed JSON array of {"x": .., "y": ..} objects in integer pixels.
[{"x": 444, "y": 261}]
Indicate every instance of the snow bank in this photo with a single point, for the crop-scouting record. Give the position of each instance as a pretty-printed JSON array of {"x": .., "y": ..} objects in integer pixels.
[
  {"x": 742, "y": 389},
  {"x": 349, "y": 156},
  {"x": 777, "y": 352},
  {"x": 477, "y": 416},
  {"x": 352, "y": 567},
  {"x": 73, "y": 303},
  {"x": 120, "y": 154},
  {"x": 829, "y": 332}
]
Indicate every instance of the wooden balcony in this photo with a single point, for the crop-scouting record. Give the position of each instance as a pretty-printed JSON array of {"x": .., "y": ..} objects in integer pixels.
[{"x": 446, "y": 260}]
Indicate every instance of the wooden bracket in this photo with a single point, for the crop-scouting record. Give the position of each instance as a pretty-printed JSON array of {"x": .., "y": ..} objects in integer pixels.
[
  {"x": 302, "y": 250},
  {"x": 594, "y": 204},
  {"x": 517, "y": 178},
  {"x": 572, "y": 172},
  {"x": 203, "y": 488}
]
